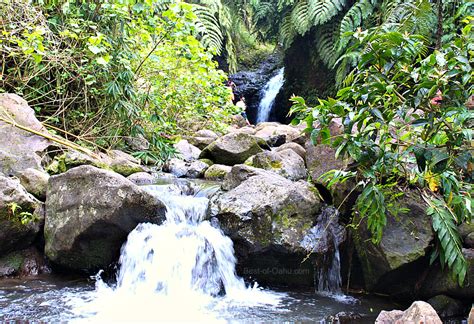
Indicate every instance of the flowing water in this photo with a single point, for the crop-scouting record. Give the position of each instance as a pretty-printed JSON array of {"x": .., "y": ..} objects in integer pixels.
[
  {"x": 181, "y": 270},
  {"x": 269, "y": 93}
]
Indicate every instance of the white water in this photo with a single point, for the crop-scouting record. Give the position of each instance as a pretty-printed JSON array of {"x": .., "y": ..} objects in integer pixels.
[
  {"x": 269, "y": 93},
  {"x": 182, "y": 270}
]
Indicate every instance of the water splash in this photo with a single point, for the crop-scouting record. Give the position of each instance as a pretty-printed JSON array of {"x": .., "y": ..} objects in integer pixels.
[
  {"x": 183, "y": 269},
  {"x": 269, "y": 93}
]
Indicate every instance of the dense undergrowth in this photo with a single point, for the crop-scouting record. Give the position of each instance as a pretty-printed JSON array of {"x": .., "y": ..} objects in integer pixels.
[
  {"x": 101, "y": 72},
  {"x": 406, "y": 115}
]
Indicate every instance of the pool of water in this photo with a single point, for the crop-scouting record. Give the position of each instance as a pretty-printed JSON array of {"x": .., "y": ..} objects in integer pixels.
[{"x": 56, "y": 299}]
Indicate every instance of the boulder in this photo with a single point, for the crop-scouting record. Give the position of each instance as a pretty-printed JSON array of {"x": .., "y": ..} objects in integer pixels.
[
  {"x": 206, "y": 133},
  {"x": 187, "y": 152},
  {"x": 217, "y": 172},
  {"x": 440, "y": 282},
  {"x": 89, "y": 213},
  {"x": 250, "y": 130},
  {"x": 267, "y": 217},
  {"x": 176, "y": 167},
  {"x": 406, "y": 239},
  {"x": 239, "y": 173},
  {"x": 233, "y": 148},
  {"x": 269, "y": 130},
  {"x": 446, "y": 306},
  {"x": 286, "y": 163},
  {"x": 35, "y": 182},
  {"x": 293, "y": 146},
  {"x": 20, "y": 149},
  {"x": 25, "y": 263},
  {"x": 124, "y": 163},
  {"x": 321, "y": 159},
  {"x": 14, "y": 199},
  {"x": 196, "y": 169},
  {"x": 142, "y": 178},
  {"x": 419, "y": 312},
  {"x": 138, "y": 143}
]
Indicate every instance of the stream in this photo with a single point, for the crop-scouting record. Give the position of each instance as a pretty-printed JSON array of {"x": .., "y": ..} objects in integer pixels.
[{"x": 181, "y": 270}]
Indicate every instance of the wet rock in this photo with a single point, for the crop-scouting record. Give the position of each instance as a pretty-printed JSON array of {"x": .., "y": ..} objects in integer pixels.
[
  {"x": 89, "y": 213},
  {"x": 142, "y": 178},
  {"x": 19, "y": 149},
  {"x": 276, "y": 140},
  {"x": 446, "y": 306},
  {"x": 419, "y": 312},
  {"x": 344, "y": 318},
  {"x": 217, "y": 172},
  {"x": 469, "y": 240},
  {"x": 202, "y": 138},
  {"x": 23, "y": 263},
  {"x": 233, "y": 148},
  {"x": 440, "y": 282},
  {"x": 35, "y": 182},
  {"x": 14, "y": 200},
  {"x": 187, "y": 152},
  {"x": 292, "y": 146},
  {"x": 196, "y": 169},
  {"x": 406, "y": 239},
  {"x": 286, "y": 163},
  {"x": 176, "y": 167}
]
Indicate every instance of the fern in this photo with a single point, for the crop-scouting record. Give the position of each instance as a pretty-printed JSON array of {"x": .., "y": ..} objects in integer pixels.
[
  {"x": 321, "y": 11},
  {"x": 444, "y": 225},
  {"x": 354, "y": 18},
  {"x": 300, "y": 17},
  {"x": 326, "y": 44},
  {"x": 208, "y": 28},
  {"x": 287, "y": 31}
]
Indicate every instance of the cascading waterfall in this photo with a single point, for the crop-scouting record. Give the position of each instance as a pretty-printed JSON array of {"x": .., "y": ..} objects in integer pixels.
[
  {"x": 183, "y": 269},
  {"x": 269, "y": 93}
]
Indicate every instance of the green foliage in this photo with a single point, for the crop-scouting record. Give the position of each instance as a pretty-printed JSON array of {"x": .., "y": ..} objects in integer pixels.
[
  {"x": 399, "y": 136},
  {"x": 24, "y": 217},
  {"x": 106, "y": 70}
]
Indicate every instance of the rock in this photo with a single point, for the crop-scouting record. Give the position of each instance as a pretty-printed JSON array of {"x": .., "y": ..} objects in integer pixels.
[
  {"x": 176, "y": 167},
  {"x": 19, "y": 149},
  {"x": 239, "y": 173},
  {"x": 469, "y": 240},
  {"x": 14, "y": 235},
  {"x": 292, "y": 146},
  {"x": 89, "y": 213},
  {"x": 286, "y": 163},
  {"x": 419, "y": 312},
  {"x": 196, "y": 169},
  {"x": 233, "y": 148},
  {"x": 276, "y": 140},
  {"x": 343, "y": 318},
  {"x": 267, "y": 216},
  {"x": 321, "y": 159},
  {"x": 269, "y": 130},
  {"x": 206, "y": 133},
  {"x": 207, "y": 161},
  {"x": 217, "y": 172},
  {"x": 239, "y": 121},
  {"x": 440, "y": 282},
  {"x": 188, "y": 152},
  {"x": 406, "y": 238},
  {"x": 142, "y": 178},
  {"x": 244, "y": 130},
  {"x": 200, "y": 142},
  {"x": 138, "y": 143},
  {"x": 23, "y": 263},
  {"x": 446, "y": 306},
  {"x": 35, "y": 182},
  {"x": 124, "y": 163},
  {"x": 466, "y": 231}
]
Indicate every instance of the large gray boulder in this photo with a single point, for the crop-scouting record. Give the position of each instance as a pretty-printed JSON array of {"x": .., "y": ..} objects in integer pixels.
[
  {"x": 35, "y": 182},
  {"x": 187, "y": 151},
  {"x": 418, "y": 312},
  {"x": 269, "y": 130},
  {"x": 89, "y": 213},
  {"x": 14, "y": 200},
  {"x": 20, "y": 149},
  {"x": 406, "y": 239},
  {"x": 320, "y": 159},
  {"x": 233, "y": 148},
  {"x": 286, "y": 163},
  {"x": 217, "y": 172},
  {"x": 267, "y": 216},
  {"x": 293, "y": 146}
]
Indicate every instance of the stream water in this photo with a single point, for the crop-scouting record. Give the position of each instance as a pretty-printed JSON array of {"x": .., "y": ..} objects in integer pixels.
[
  {"x": 268, "y": 95},
  {"x": 182, "y": 270}
]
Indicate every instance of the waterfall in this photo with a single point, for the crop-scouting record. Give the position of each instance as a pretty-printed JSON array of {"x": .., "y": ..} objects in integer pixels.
[
  {"x": 183, "y": 269},
  {"x": 269, "y": 93}
]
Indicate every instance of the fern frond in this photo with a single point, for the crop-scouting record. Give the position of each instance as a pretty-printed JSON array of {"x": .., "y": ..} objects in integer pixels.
[
  {"x": 321, "y": 11},
  {"x": 327, "y": 37},
  {"x": 354, "y": 18},
  {"x": 448, "y": 236},
  {"x": 300, "y": 17},
  {"x": 208, "y": 28},
  {"x": 287, "y": 31}
]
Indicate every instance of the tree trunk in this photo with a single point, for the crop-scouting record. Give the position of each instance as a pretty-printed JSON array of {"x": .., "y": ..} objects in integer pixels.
[{"x": 439, "y": 31}]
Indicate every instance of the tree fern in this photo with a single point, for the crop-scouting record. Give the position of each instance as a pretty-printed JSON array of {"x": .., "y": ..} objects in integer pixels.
[
  {"x": 444, "y": 225},
  {"x": 287, "y": 31},
  {"x": 300, "y": 17},
  {"x": 326, "y": 40},
  {"x": 208, "y": 27}
]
